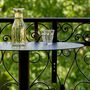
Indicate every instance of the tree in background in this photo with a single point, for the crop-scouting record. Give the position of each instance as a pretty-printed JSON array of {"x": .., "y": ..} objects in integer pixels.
[
  {"x": 48, "y": 8},
  {"x": 44, "y": 8}
]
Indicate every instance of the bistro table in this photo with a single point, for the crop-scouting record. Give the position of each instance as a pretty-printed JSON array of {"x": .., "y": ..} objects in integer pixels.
[{"x": 24, "y": 56}]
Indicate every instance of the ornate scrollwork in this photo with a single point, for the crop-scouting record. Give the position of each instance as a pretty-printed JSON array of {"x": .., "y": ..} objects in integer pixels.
[
  {"x": 87, "y": 82},
  {"x": 86, "y": 36},
  {"x": 35, "y": 34},
  {"x": 32, "y": 34},
  {"x": 36, "y": 57},
  {"x": 1, "y": 29},
  {"x": 43, "y": 25},
  {"x": 69, "y": 71},
  {"x": 6, "y": 38},
  {"x": 29, "y": 31},
  {"x": 46, "y": 85},
  {"x": 79, "y": 68},
  {"x": 66, "y": 53},
  {"x": 15, "y": 57},
  {"x": 81, "y": 35},
  {"x": 3, "y": 63},
  {"x": 8, "y": 84},
  {"x": 86, "y": 59},
  {"x": 64, "y": 29},
  {"x": 78, "y": 36},
  {"x": 34, "y": 82}
]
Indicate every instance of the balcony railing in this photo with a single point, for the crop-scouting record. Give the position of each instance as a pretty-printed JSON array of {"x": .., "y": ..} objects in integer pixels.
[{"x": 72, "y": 66}]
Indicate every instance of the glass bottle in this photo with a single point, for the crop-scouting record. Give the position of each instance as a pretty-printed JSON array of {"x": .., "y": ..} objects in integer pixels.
[{"x": 18, "y": 33}]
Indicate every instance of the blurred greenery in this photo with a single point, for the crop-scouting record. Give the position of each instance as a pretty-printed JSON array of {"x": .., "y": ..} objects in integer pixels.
[{"x": 48, "y": 8}]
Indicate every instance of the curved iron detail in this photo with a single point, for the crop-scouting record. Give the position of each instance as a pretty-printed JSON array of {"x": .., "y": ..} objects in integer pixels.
[
  {"x": 87, "y": 82},
  {"x": 6, "y": 38},
  {"x": 2, "y": 55},
  {"x": 78, "y": 36},
  {"x": 86, "y": 36},
  {"x": 1, "y": 29},
  {"x": 3, "y": 63},
  {"x": 34, "y": 82},
  {"x": 86, "y": 57},
  {"x": 82, "y": 72},
  {"x": 28, "y": 31},
  {"x": 69, "y": 28},
  {"x": 37, "y": 59},
  {"x": 64, "y": 29},
  {"x": 80, "y": 68},
  {"x": 72, "y": 64},
  {"x": 1, "y": 58},
  {"x": 8, "y": 84},
  {"x": 29, "y": 26},
  {"x": 36, "y": 35},
  {"x": 59, "y": 80},
  {"x": 66, "y": 53},
  {"x": 41, "y": 83},
  {"x": 83, "y": 35},
  {"x": 15, "y": 57},
  {"x": 43, "y": 25},
  {"x": 59, "y": 52}
]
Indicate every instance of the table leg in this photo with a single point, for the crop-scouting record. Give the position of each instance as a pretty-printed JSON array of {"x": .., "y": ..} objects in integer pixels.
[
  {"x": 23, "y": 70},
  {"x": 54, "y": 66}
]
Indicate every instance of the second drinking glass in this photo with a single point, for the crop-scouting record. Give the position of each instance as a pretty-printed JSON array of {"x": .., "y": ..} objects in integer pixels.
[{"x": 47, "y": 36}]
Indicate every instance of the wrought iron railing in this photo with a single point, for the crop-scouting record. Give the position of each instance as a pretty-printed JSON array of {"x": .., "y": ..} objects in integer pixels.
[{"x": 69, "y": 63}]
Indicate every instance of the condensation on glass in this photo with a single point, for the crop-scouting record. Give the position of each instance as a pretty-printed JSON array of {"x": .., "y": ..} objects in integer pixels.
[{"x": 18, "y": 33}]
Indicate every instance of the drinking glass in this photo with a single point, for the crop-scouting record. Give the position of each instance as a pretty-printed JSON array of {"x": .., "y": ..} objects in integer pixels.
[{"x": 47, "y": 36}]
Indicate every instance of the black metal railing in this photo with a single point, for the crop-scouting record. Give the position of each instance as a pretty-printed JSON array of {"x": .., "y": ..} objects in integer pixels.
[{"x": 66, "y": 30}]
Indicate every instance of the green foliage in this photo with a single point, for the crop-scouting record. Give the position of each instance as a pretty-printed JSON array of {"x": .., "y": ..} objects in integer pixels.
[
  {"x": 49, "y": 8},
  {"x": 4, "y": 78},
  {"x": 44, "y": 8}
]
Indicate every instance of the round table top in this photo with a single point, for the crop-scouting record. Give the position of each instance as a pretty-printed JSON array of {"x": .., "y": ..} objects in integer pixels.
[{"x": 30, "y": 46}]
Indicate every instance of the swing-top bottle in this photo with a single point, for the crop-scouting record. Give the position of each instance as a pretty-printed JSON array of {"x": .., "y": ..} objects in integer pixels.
[{"x": 18, "y": 33}]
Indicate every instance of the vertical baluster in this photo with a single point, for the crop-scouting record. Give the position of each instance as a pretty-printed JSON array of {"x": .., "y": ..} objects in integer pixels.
[
  {"x": 36, "y": 31},
  {"x": 54, "y": 55},
  {"x": 23, "y": 70}
]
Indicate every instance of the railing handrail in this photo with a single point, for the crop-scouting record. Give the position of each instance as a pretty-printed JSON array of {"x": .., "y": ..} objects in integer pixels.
[{"x": 49, "y": 19}]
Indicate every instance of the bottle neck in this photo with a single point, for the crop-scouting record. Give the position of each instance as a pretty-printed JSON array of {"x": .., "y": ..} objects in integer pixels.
[{"x": 18, "y": 15}]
